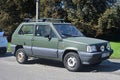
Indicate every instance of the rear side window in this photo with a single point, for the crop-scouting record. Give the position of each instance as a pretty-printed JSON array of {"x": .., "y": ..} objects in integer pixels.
[{"x": 26, "y": 30}]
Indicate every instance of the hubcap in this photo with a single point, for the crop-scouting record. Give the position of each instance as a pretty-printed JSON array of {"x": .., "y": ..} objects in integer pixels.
[
  {"x": 20, "y": 56},
  {"x": 71, "y": 61}
]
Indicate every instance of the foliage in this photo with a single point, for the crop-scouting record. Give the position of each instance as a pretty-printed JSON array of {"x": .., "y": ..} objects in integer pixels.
[
  {"x": 83, "y": 13},
  {"x": 109, "y": 22},
  {"x": 50, "y": 8},
  {"x": 92, "y": 17},
  {"x": 12, "y": 12}
]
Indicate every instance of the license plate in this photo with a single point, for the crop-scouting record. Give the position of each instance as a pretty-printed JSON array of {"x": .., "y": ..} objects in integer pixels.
[{"x": 105, "y": 55}]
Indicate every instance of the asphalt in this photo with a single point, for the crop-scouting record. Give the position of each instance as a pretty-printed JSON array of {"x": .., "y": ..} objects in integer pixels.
[{"x": 40, "y": 69}]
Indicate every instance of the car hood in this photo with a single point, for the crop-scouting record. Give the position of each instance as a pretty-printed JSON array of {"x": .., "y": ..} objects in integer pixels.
[{"x": 85, "y": 40}]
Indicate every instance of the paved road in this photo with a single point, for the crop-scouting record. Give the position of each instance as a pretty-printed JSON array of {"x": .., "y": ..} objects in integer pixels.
[{"x": 52, "y": 70}]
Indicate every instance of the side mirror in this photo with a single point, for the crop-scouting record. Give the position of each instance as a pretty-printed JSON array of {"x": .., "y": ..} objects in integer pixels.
[{"x": 49, "y": 37}]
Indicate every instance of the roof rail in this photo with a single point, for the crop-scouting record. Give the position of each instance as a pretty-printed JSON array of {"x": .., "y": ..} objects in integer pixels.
[
  {"x": 45, "y": 20},
  {"x": 27, "y": 19}
]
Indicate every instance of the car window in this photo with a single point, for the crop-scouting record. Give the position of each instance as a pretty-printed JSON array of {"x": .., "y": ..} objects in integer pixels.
[
  {"x": 68, "y": 30},
  {"x": 44, "y": 30},
  {"x": 26, "y": 30}
]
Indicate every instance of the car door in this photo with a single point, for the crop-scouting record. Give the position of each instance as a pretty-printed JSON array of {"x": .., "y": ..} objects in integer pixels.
[
  {"x": 45, "y": 42},
  {"x": 3, "y": 40},
  {"x": 24, "y": 37}
]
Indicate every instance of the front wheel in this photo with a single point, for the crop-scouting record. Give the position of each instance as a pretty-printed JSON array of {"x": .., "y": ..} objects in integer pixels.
[
  {"x": 72, "y": 62},
  {"x": 21, "y": 56}
]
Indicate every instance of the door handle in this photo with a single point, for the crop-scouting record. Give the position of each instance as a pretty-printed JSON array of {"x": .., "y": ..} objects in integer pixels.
[{"x": 24, "y": 43}]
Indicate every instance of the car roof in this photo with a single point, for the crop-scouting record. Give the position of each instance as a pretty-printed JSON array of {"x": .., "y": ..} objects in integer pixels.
[{"x": 45, "y": 23}]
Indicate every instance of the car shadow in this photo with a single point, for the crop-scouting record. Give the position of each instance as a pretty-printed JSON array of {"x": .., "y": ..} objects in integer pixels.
[
  {"x": 8, "y": 54},
  {"x": 46, "y": 62},
  {"x": 105, "y": 66}
]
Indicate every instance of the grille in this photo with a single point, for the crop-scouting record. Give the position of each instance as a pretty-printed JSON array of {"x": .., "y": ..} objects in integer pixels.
[{"x": 98, "y": 46}]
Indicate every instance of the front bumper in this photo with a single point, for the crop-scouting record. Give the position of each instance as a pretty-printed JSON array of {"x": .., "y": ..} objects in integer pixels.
[{"x": 92, "y": 58}]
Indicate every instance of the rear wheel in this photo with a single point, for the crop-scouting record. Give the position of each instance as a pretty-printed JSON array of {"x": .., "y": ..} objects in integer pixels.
[
  {"x": 72, "y": 62},
  {"x": 21, "y": 56}
]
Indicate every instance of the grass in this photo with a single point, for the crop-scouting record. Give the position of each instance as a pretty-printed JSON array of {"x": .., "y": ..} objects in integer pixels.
[
  {"x": 115, "y": 46},
  {"x": 9, "y": 48}
]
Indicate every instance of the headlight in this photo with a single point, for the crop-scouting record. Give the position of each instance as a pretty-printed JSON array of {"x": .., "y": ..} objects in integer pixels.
[
  {"x": 91, "y": 48},
  {"x": 102, "y": 48},
  {"x": 108, "y": 47}
]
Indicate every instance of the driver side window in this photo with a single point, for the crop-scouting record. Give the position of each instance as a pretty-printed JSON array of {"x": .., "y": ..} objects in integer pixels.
[{"x": 44, "y": 30}]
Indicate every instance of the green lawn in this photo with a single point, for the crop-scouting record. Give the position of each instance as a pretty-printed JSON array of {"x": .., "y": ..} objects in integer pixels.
[
  {"x": 115, "y": 46},
  {"x": 9, "y": 49}
]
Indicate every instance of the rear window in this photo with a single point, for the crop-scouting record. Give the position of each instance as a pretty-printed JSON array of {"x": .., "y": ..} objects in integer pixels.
[{"x": 26, "y": 30}]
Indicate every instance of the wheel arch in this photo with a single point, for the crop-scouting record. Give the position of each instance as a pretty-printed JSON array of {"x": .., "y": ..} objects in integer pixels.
[
  {"x": 72, "y": 61},
  {"x": 67, "y": 50},
  {"x": 17, "y": 47}
]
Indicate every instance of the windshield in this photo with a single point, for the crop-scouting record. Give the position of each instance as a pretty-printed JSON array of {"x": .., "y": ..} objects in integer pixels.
[{"x": 68, "y": 30}]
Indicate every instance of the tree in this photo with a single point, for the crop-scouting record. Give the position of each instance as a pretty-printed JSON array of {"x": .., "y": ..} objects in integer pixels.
[
  {"x": 12, "y": 12},
  {"x": 52, "y": 9},
  {"x": 93, "y": 17},
  {"x": 109, "y": 22}
]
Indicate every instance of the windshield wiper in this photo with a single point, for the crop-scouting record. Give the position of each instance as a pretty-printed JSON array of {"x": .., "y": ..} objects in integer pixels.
[
  {"x": 64, "y": 35},
  {"x": 67, "y": 35},
  {"x": 77, "y": 36}
]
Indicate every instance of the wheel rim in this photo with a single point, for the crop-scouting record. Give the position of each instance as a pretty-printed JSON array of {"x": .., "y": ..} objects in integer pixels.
[
  {"x": 71, "y": 61},
  {"x": 20, "y": 56}
]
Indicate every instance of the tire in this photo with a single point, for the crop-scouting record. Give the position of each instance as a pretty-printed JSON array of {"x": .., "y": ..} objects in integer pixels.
[
  {"x": 72, "y": 62},
  {"x": 21, "y": 56}
]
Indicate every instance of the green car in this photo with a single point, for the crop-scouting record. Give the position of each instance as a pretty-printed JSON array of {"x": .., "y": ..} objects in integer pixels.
[{"x": 58, "y": 41}]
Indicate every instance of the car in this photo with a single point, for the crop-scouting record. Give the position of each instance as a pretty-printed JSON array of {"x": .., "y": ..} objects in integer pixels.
[
  {"x": 54, "y": 39},
  {"x": 3, "y": 42}
]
